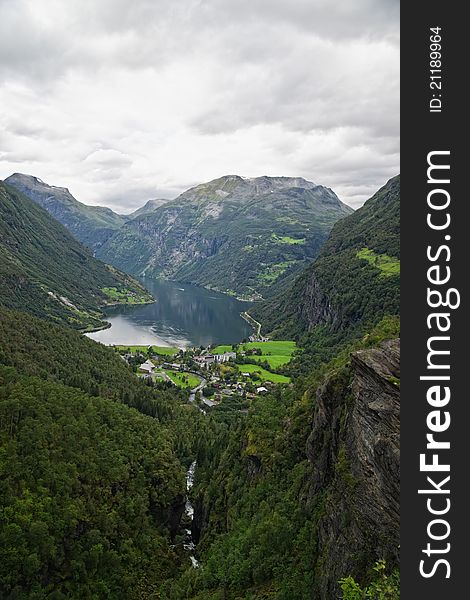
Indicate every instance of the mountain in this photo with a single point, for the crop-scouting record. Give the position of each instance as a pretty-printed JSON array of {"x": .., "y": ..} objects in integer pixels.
[
  {"x": 91, "y": 225},
  {"x": 233, "y": 234},
  {"x": 353, "y": 282},
  {"x": 295, "y": 496},
  {"x": 148, "y": 207},
  {"x": 44, "y": 270}
]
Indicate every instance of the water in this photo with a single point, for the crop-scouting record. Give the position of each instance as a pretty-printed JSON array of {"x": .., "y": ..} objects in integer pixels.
[
  {"x": 190, "y": 546},
  {"x": 183, "y": 315}
]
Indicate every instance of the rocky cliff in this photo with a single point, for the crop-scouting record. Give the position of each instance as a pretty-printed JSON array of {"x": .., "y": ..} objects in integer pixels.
[{"x": 354, "y": 452}]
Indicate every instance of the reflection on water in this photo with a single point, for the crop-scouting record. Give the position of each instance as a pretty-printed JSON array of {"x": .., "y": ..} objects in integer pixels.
[{"x": 183, "y": 315}]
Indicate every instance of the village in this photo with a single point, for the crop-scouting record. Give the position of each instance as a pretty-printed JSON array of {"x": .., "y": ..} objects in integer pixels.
[{"x": 222, "y": 377}]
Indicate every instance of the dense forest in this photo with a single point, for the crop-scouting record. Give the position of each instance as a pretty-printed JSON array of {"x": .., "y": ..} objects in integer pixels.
[
  {"x": 88, "y": 490},
  {"x": 93, "y": 464}
]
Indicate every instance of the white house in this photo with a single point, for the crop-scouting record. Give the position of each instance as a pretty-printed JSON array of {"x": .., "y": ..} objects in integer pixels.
[
  {"x": 147, "y": 367},
  {"x": 261, "y": 390},
  {"x": 225, "y": 357}
]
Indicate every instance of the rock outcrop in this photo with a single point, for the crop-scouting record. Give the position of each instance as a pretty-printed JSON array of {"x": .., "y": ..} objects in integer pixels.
[{"x": 354, "y": 452}]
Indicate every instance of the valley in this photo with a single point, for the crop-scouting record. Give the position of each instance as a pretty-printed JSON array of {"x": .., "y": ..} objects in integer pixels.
[
  {"x": 236, "y": 235},
  {"x": 178, "y": 459}
]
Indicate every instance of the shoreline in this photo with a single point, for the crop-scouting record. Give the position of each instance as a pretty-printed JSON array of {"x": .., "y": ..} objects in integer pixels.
[
  {"x": 253, "y": 322},
  {"x": 114, "y": 305},
  {"x": 257, "y": 298},
  {"x": 106, "y": 325}
]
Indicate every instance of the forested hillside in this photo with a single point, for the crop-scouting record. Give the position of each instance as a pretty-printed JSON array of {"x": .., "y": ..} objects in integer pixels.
[
  {"x": 88, "y": 489},
  {"x": 45, "y": 271},
  {"x": 53, "y": 352},
  {"x": 354, "y": 282},
  {"x": 93, "y": 490}
]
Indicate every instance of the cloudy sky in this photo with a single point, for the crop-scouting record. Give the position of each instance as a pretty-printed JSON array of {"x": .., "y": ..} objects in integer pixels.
[{"x": 122, "y": 101}]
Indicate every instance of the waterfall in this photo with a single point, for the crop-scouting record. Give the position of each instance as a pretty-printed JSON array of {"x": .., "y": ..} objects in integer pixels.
[{"x": 190, "y": 546}]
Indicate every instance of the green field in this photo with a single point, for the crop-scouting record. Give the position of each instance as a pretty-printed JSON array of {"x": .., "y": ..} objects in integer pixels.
[
  {"x": 183, "y": 380},
  {"x": 275, "y": 348},
  {"x": 276, "y": 354},
  {"x": 265, "y": 375},
  {"x": 286, "y": 239},
  {"x": 273, "y": 361},
  {"x": 274, "y": 271},
  {"x": 125, "y": 296},
  {"x": 164, "y": 350},
  {"x": 221, "y": 349},
  {"x": 388, "y": 265}
]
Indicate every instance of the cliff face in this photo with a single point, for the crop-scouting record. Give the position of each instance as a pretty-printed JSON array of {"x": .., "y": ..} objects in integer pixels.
[
  {"x": 354, "y": 452},
  {"x": 315, "y": 308}
]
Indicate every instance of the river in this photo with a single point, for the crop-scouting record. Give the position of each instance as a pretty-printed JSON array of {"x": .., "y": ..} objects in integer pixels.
[{"x": 183, "y": 315}]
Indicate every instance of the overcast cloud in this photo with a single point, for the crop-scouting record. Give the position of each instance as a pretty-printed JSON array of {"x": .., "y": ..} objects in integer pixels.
[{"x": 122, "y": 101}]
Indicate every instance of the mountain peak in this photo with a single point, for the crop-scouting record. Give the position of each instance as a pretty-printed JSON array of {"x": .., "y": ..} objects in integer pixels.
[
  {"x": 148, "y": 207},
  {"x": 282, "y": 180},
  {"x": 233, "y": 233},
  {"x": 32, "y": 182},
  {"x": 239, "y": 187},
  {"x": 91, "y": 225}
]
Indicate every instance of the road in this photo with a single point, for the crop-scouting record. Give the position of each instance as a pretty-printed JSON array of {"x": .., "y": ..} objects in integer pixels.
[{"x": 194, "y": 391}]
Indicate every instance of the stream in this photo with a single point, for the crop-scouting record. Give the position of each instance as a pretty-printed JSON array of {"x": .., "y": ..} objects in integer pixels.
[{"x": 190, "y": 546}]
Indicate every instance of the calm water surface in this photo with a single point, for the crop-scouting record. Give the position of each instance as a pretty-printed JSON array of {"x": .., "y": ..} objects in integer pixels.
[{"x": 183, "y": 315}]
